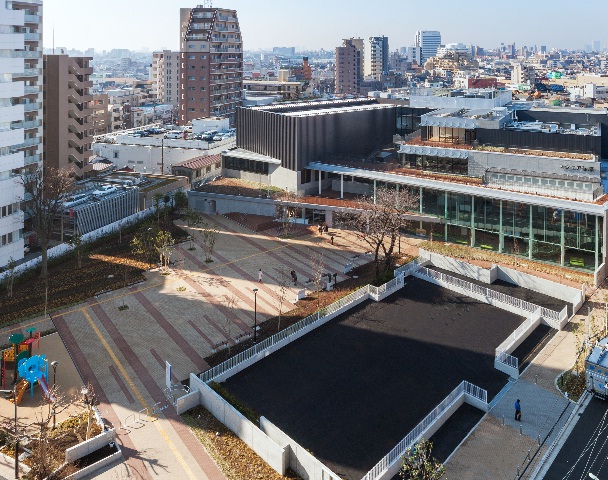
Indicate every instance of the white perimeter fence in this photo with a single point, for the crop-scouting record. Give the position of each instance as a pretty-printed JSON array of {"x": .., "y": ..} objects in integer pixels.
[
  {"x": 64, "y": 248},
  {"x": 466, "y": 392}
]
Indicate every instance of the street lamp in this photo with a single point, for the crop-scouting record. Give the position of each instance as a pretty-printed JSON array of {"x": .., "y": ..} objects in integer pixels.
[
  {"x": 54, "y": 365},
  {"x": 255, "y": 314}
]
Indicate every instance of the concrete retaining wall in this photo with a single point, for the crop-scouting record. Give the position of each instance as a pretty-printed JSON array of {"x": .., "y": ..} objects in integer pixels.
[
  {"x": 187, "y": 402},
  {"x": 299, "y": 459},
  {"x": 274, "y": 455},
  {"x": 89, "y": 446},
  {"x": 461, "y": 268},
  {"x": 540, "y": 285},
  {"x": 504, "y": 368},
  {"x": 205, "y": 202},
  {"x": 96, "y": 466}
]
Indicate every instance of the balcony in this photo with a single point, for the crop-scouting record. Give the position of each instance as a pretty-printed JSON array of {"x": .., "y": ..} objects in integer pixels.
[
  {"x": 26, "y": 125},
  {"x": 32, "y": 37},
  {"x": 32, "y": 18},
  {"x": 30, "y": 159},
  {"x": 21, "y": 54},
  {"x": 79, "y": 71},
  {"x": 31, "y": 89},
  {"x": 30, "y": 107},
  {"x": 28, "y": 72}
]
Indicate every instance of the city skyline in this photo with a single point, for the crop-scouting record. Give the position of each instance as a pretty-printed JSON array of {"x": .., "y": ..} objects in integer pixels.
[{"x": 137, "y": 28}]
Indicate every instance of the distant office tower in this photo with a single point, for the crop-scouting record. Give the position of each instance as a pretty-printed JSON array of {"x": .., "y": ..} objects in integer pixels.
[
  {"x": 211, "y": 51},
  {"x": 349, "y": 59},
  {"x": 376, "y": 57},
  {"x": 596, "y": 46},
  {"x": 428, "y": 41},
  {"x": 543, "y": 49},
  {"x": 67, "y": 113},
  {"x": 165, "y": 76},
  {"x": 20, "y": 114},
  {"x": 284, "y": 51}
]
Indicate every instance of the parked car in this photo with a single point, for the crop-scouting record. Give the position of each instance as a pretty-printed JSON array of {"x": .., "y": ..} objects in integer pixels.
[
  {"x": 104, "y": 190},
  {"x": 174, "y": 135},
  {"x": 74, "y": 200}
]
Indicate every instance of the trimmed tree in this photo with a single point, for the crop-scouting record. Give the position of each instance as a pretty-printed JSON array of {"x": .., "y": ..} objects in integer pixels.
[{"x": 418, "y": 464}]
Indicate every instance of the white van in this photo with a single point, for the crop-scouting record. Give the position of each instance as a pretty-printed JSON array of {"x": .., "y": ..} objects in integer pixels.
[{"x": 174, "y": 135}]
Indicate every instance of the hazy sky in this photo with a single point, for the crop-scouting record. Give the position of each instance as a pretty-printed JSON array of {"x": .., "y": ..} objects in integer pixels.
[{"x": 154, "y": 24}]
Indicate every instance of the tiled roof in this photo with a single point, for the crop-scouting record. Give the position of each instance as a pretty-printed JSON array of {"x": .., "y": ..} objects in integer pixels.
[{"x": 199, "y": 162}]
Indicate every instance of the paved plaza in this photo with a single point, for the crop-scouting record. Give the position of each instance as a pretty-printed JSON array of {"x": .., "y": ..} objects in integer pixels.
[{"x": 180, "y": 318}]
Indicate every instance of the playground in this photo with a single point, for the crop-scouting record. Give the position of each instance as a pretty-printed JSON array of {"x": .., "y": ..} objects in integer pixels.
[
  {"x": 36, "y": 376},
  {"x": 352, "y": 389}
]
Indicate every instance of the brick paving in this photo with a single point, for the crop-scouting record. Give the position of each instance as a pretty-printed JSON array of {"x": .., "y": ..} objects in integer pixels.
[{"x": 181, "y": 317}]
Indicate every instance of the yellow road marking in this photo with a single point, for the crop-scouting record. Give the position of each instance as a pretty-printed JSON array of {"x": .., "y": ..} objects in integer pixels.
[{"x": 126, "y": 376}]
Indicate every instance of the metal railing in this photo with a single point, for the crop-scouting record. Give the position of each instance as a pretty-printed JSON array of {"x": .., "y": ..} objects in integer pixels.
[
  {"x": 379, "y": 293},
  {"x": 283, "y": 335},
  {"x": 408, "y": 268},
  {"x": 506, "y": 359},
  {"x": 550, "y": 316},
  {"x": 465, "y": 388}
]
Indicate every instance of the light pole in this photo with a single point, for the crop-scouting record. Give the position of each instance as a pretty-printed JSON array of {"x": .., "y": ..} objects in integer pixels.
[
  {"x": 54, "y": 365},
  {"x": 255, "y": 315},
  {"x": 16, "y": 432}
]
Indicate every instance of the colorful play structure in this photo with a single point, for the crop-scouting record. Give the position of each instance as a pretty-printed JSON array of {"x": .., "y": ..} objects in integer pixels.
[{"x": 30, "y": 369}]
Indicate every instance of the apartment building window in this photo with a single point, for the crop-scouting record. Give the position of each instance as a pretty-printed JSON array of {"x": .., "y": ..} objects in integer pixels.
[
  {"x": 192, "y": 109},
  {"x": 191, "y": 78},
  {"x": 191, "y": 88},
  {"x": 116, "y": 154},
  {"x": 203, "y": 77},
  {"x": 203, "y": 57},
  {"x": 202, "y": 89},
  {"x": 191, "y": 57},
  {"x": 202, "y": 99}
]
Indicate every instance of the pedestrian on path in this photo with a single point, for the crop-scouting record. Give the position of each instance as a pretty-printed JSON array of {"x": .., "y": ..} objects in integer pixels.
[
  {"x": 294, "y": 277},
  {"x": 332, "y": 238},
  {"x": 517, "y": 410},
  {"x": 260, "y": 276}
]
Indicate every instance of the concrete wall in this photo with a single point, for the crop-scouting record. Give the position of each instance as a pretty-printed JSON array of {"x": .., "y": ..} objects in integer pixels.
[
  {"x": 89, "y": 446},
  {"x": 96, "y": 466},
  {"x": 187, "y": 402},
  {"x": 461, "y": 268},
  {"x": 546, "y": 287},
  {"x": 210, "y": 203},
  {"x": 274, "y": 455},
  {"x": 299, "y": 459}
]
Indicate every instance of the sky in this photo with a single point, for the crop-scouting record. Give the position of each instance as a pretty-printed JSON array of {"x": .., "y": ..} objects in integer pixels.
[{"x": 314, "y": 24}]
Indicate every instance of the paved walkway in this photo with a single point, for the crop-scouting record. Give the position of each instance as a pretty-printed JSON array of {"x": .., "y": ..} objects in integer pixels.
[
  {"x": 498, "y": 447},
  {"x": 181, "y": 317}
]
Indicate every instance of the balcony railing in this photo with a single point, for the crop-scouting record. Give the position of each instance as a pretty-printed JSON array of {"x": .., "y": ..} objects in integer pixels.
[
  {"x": 28, "y": 72},
  {"x": 20, "y": 54},
  {"x": 32, "y": 18},
  {"x": 29, "y": 107},
  {"x": 30, "y": 37},
  {"x": 30, "y": 89}
]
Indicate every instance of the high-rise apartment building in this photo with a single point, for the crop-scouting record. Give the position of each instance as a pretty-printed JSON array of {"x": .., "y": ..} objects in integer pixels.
[
  {"x": 211, "y": 63},
  {"x": 165, "y": 76},
  {"x": 20, "y": 115},
  {"x": 429, "y": 42},
  {"x": 67, "y": 113},
  {"x": 349, "y": 66},
  {"x": 376, "y": 57}
]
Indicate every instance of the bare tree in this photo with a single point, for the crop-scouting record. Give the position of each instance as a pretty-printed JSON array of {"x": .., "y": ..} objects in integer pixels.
[
  {"x": 317, "y": 275},
  {"x": 163, "y": 244},
  {"x": 281, "y": 293},
  {"x": 208, "y": 237},
  {"x": 80, "y": 248},
  {"x": 9, "y": 278},
  {"x": 45, "y": 191},
  {"x": 230, "y": 302},
  {"x": 380, "y": 219},
  {"x": 286, "y": 210}
]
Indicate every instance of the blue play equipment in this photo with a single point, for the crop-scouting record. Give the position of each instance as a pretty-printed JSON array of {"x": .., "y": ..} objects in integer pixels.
[{"x": 36, "y": 369}]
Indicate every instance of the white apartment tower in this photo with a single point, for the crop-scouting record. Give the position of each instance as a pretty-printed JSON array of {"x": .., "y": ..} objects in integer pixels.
[
  {"x": 165, "y": 76},
  {"x": 376, "y": 57},
  {"x": 20, "y": 114},
  {"x": 429, "y": 42}
]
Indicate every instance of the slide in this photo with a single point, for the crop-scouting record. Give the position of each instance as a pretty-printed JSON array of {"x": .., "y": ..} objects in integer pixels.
[
  {"x": 45, "y": 389},
  {"x": 21, "y": 387}
]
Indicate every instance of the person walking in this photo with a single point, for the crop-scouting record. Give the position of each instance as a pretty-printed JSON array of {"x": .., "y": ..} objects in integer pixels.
[
  {"x": 517, "y": 410},
  {"x": 260, "y": 276}
]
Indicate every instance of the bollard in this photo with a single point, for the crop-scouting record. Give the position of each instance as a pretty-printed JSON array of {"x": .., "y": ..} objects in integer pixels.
[
  {"x": 503, "y": 420},
  {"x": 518, "y": 471},
  {"x": 529, "y": 449},
  {"x": 536, "y": 379},
  {"x": 520, "y": 430},
  {"x": 538, "y": 440}
]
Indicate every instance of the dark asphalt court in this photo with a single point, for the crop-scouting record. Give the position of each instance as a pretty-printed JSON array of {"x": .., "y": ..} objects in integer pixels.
[
  {"x": 586, "y": 449},
  {"x": 351, "y": 390}
]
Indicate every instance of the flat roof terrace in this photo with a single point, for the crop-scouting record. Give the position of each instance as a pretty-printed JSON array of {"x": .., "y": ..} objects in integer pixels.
[{"x": 350, "y": 390}]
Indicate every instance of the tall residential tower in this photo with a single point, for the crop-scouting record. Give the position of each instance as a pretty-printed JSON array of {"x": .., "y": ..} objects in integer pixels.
[
  {"x": 211, "y": 51},
  {"x": 349, "y": 66},
  {"x": 376, "y": 57},
  {"x": 20, "y": 114}
]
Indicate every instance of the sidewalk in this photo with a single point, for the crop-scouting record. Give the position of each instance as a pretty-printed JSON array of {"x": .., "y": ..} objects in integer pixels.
[{"x": 500, "y": 447}]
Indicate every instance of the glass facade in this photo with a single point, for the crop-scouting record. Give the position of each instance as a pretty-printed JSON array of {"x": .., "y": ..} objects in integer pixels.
[
  {"x": 566, "y": 238},
  {"x": 429, "y": 163}
]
